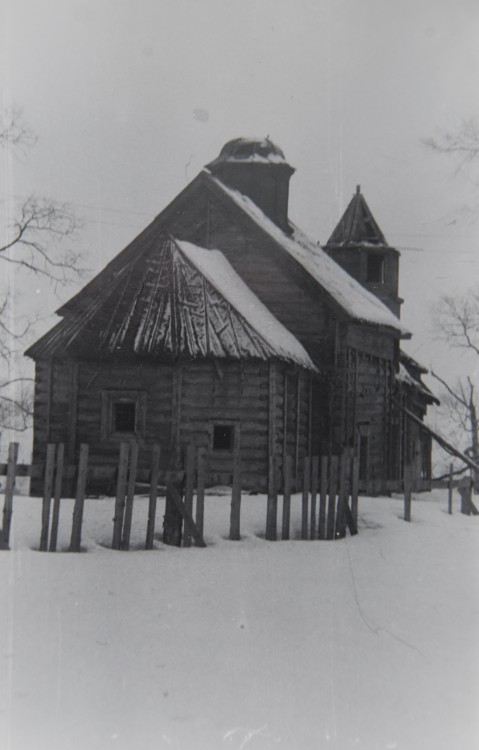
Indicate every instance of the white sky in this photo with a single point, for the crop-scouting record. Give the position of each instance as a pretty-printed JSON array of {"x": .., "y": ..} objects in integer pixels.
[{"x": 131, "y": 99}]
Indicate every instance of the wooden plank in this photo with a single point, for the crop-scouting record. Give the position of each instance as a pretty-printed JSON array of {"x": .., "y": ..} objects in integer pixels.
[
  {"x": 305, "y": 497},
  {"x": 200, "y": 489},
  {"x": 272, "y": 507},
  {"x": 323, "y": 494},
  {"x": 155, "y": 475},
  {"x": 75, "y": 542},
  {"x": 333, "y": 483},
  {"x": 288, "y": 471},
  {"x": 407, "y": 493},
  {"x": 57, "y": 496},
  {"x": 314, "y": 493},
  {"x": 120, "y": 495},
  {"x": 271, "y": 423},
  {"x": 235, "y": 515},
  {"x": 285, "y": 421},
  {"x": 187, "y": 517},
  {"x": 73, "y": 409},
  {"x": 47, "y": 496},
  {"x": 272, "y": 502},
  {"x": 355, "y": 489},
  {"x": 298, "y": 412},
  {"x": 340, "y": 528},
  {"x": 130, "y": 496},
  {"x": 189, "y": 487},
  {"x": 9, "y": 491}
]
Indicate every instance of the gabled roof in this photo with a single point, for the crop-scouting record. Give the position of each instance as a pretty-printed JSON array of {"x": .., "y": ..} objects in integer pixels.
[
  {"x": 357, "y": 225},
  {"x": 176, "y": 300},
  {"x": 349, "y": 294},
  {"x": 356, "y": 301}
]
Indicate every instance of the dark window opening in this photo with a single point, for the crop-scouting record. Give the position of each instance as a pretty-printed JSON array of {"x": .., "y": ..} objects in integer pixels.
[
  {"x": 124, "y": 416},
  {"x": 375, "y": 269},
  {"x": 223, "y": 437}
]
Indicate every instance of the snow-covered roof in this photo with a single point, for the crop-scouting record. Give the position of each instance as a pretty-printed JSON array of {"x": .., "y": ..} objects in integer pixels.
[
  {"x": 250, "y": 150},
  {"x": 217, "y": 270},
  {"x": 357, "y": 226},
  {"x": 357, "y": 301},
  {"x": 176, "y": 299},
  {"x": 405, "y": 377}
]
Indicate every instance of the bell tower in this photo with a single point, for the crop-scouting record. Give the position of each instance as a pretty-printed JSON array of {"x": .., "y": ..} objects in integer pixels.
[{"x": 359, "y": 246}]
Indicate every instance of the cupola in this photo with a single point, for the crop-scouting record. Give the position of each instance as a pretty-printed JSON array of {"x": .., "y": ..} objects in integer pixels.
[{"x": 258, "y": 169}]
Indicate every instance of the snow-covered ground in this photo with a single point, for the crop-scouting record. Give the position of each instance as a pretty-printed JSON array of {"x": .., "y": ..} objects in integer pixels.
[{"x": 371, "y": 642}]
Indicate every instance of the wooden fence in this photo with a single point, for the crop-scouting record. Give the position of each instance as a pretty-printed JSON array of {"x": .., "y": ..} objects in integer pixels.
[{"x": 328, "y": 486}]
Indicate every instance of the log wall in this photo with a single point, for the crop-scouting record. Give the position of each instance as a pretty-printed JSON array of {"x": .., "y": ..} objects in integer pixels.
[{"x": 179, "y": 406}]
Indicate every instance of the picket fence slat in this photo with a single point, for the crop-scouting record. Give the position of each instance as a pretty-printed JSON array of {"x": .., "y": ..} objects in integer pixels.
[
  {"x": 75, "y": 542},
  {"x": 155, "y": 475},
  {"x": 47, "y": 496},
  {"x": 9, "y": 492},
  {"x": 130, "y": 496},
  {"x": 57, "y": 497},
  {"x": 120, "y": 495}
]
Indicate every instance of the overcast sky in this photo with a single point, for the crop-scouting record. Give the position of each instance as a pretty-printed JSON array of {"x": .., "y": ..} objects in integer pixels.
[{"x": 130, "y": 99}]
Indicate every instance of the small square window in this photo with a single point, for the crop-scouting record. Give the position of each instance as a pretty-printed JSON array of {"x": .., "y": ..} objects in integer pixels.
[
  {"x": 223, "y": 437},
  {"x": 124, "y": 416},
  {"x": 375, "y": 269}
]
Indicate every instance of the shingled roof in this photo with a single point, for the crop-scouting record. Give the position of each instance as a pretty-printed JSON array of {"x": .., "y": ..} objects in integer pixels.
[
  {"x": 175, "y": 300},
  {"x": 357, "y": 225}
]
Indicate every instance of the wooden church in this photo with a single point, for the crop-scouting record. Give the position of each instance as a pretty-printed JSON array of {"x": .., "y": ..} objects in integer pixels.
[{"x": 222, "y": 324}]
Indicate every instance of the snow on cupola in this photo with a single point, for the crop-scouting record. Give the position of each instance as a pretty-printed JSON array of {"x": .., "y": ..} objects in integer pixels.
[{"x": 257, "y": 168}]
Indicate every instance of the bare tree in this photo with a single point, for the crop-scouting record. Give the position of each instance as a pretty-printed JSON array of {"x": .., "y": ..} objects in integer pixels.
[
  {"x": 456, "y": 320},
  {"x": 34, "y": 232},
  {"x": 462, "y": 144}
]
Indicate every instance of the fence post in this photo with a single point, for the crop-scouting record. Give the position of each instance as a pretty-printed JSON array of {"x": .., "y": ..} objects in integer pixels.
[
  {"x": 314, "y": 492},
  {"x": 355, "y": 489},
  {"x": 272, "y": 504},
  {"x": 449, "y": 489},
  {"x": 340, "y": 531},
  {"x": 189, "y": 487},
  {"x": 75, "y": 541},
  {"x": 305, "y": 498},
  {"x": 323, "y": 492},
  {"x": 200, "y": 491},
  {"x": 407, "y": 493},
  {"x": 47, "y": 496},
  {"x": 154, "y": 476},
  {"x": 9, "y": 490},
  {"x": 57, "y": 497},
  {"x": 130, "y": 496},
  {"x": 235, "y": 515},
  {"x": 333, "y": 471},
  {"x": 120, "y": 495},
  {"x": 288, "y": 471}
]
